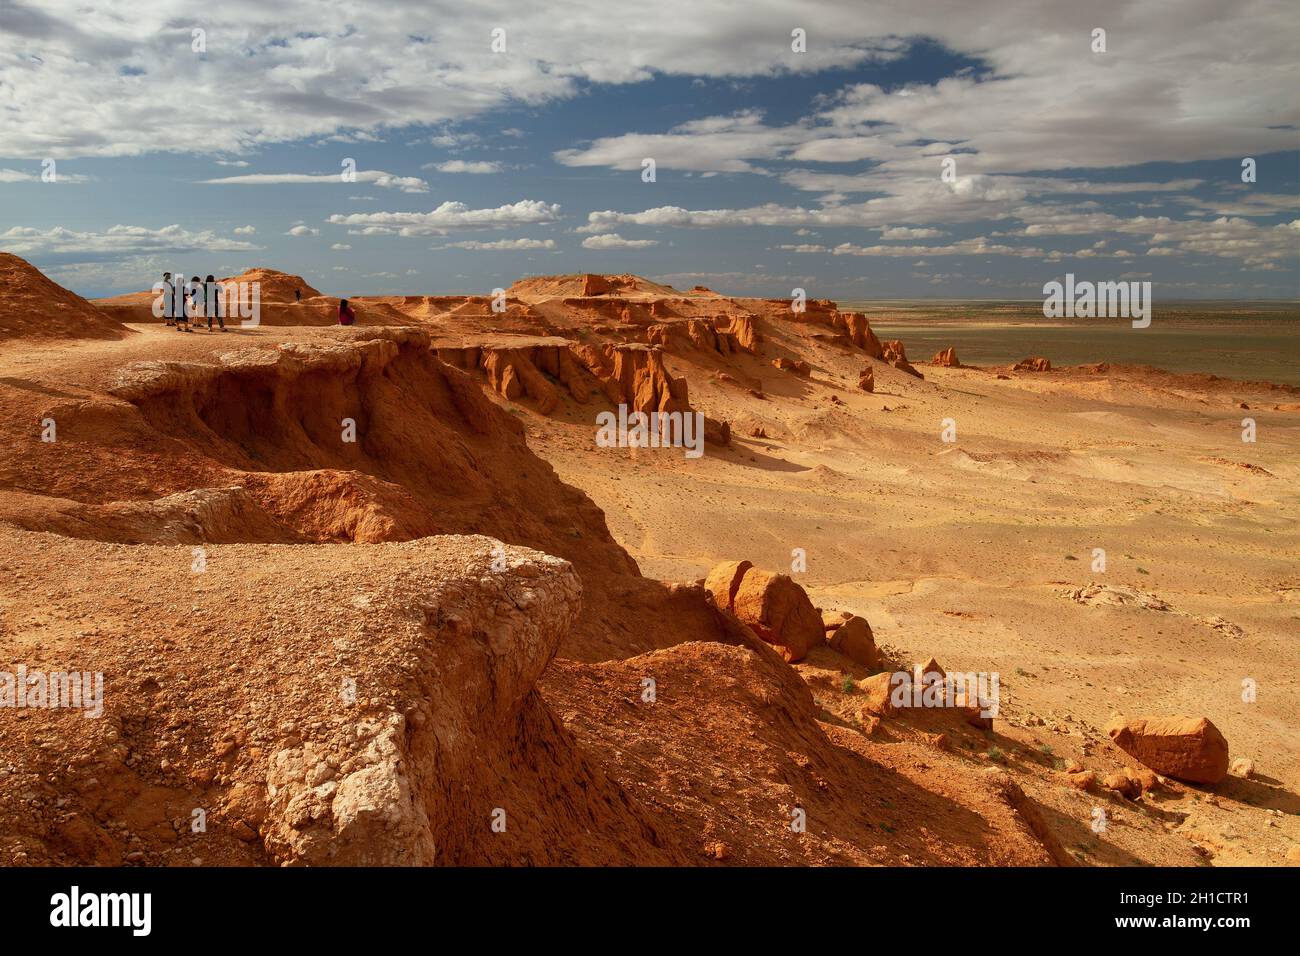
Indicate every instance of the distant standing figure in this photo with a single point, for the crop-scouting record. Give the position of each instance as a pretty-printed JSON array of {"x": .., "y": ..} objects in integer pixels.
[
  {"x": 169, "y": 299},
  {"x": 195, "y": 292},
  {"x": 213, "y": 304},
  {"x": 297, "y": 295},
  {"x": 346, "y": 315}
]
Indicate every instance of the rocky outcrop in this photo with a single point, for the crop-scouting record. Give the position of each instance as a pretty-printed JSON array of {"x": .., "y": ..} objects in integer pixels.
[
  {"x": 947, "y": 358},
  {"x": 744, "y": 329},
  {"x": 634, "y": 375},
  {"x": 1034, "y": 364},
  {"x": 516, "y": 372},
  {"x": 692, "y": 333},
  {"x": 377, "y": 707},
  {"x": 867, "y": 379},
  {"x": 796, "y": 366},
  {"x": 1186, "y": 748},
  {"x": 896, "y": 355},
  {"x": 377, "y": 794},
  {"x": 858, "y": 330}
]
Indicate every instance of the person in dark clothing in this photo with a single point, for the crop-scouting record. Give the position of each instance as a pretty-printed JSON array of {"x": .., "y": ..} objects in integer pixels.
[
  {"x": 187, "y": 308},
  {"x": 213, "y": 304},
  {"x": 297, "y": 295},
  {"x": 346, "y": 315}
]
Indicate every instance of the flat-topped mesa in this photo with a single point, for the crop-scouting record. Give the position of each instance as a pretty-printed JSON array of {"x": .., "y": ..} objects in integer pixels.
[
  {"x": 587, "y": 284},
  {"x": 814, "y": 311}
]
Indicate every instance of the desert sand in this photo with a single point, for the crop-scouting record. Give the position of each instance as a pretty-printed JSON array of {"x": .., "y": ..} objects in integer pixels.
[{"x": 473, "y": 636}]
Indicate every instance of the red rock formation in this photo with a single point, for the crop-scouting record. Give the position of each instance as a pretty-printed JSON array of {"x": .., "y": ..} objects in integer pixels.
[
  {"x": 596, "y": 285},
  {"x": 896, "y": 355},
  {"x": 1034, "y": 364},
  {"x": 274, "y": 285},
  {"x": 946, "y": 358},
  {"x": 773, "y": 605},
  {"x": 1186, "y": 748},
  {"x": 512, "y": 373},
  {"x": 516, "y": 372},
  {"x": 31, "y": 306},
  {"x": 723, "y": 582},
  {"x": 867, "y": 379},
  {"x": 853, "y": 639},
  {"x": 797, "y": 366},
  {"x": 858, "y": 329},
  {"x": 744, "y": 328},
  {"x": 878, "y": 693}
]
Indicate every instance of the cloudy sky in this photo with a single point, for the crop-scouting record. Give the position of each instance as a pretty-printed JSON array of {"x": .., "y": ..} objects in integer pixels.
[{"x": 774, "y": 168}]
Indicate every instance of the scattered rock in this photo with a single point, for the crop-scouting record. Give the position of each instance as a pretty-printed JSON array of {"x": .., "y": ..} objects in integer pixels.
[
  {"x": 1081, "y": 779},
  {"x": 797, "y": 366},
  {"x": 1120, "y": 782},
  {"x": 877, "y": 691}
]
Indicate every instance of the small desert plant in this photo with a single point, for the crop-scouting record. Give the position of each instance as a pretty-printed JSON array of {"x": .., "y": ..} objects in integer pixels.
[
  {"x": 995, "y": 753},
  {"x": 848, "y": 686}
]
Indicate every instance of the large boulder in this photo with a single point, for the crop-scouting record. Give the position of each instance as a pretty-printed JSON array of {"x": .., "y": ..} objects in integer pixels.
[
  {"x": 853, "y": 639},
  {"x": 724, "y": 580},
  {"x": 1186, "y": 748},
  {"x": 773, "y": 605},
  {"x": 878, "y": 693}
]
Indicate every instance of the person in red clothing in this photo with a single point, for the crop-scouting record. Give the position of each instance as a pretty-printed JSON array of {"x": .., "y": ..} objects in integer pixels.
[{"x": 346, "y": 315}]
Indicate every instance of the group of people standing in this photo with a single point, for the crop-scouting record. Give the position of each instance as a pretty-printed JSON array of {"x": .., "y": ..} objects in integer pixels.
[{"x": 186, "y": 302}]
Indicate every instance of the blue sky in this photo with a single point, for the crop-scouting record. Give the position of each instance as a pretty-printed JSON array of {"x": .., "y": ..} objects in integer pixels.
[{"x": 774, "y": 169}]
